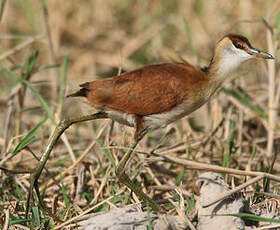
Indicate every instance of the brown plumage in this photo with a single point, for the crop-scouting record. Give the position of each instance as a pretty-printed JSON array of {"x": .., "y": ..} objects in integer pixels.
[{"x": 148, "y": 90}]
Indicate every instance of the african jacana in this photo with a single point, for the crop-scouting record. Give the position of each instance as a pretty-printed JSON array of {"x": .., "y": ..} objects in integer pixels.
[{"x": 154, "y": 96}]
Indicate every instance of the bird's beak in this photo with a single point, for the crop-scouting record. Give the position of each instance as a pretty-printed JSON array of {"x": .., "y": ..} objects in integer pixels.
[{"x": 260, "y": 54}]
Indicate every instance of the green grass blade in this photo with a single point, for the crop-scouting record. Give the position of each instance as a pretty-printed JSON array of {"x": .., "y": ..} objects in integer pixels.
[
  {"x": 245, "y": 100},
  {"x": 30, "y": 65},
  {"x": 180, "y": 176},
  {"x": 41, "y": 100},
  {"x": 18, "y": 221},
  {"x": 29, "y": 137},
  {"x": 63, "y": 80},
  {"x": 109, "y": 155},
  {"x": 32, "y": 89},
  {"x": 3, "y": 4},
  {"x": 191, "y": 204},
  {"x": 198, "y": 7},
  {"x": 107, "y": 152},
  {"x": 10, "y": 87},
  {"x": 35, "y": 222},
  {"x": 45, "y": 6},
  {"x": 253, "y": 152},
  {"x": 150, "y": 220},
  {"x": 28, "y": 68},
  {"x": 230, "y": 146},
  {"x": 189, "y": 35},
  {"x": 252, "y": 217},
  {"x": 277, "y": 20},
  {"x": 45, "y": 67},
  {"x": 65, "y": 196},
  {"x": 101, "y": 166}
]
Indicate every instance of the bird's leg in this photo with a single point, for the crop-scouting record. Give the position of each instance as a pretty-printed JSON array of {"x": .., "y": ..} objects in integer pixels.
[
  {"x": 123, "y": 178},
  {"x": 59, "y": 130}
]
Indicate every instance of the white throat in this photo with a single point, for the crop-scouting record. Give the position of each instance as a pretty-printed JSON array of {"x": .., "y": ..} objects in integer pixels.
[{"x": 228, "y": 60}]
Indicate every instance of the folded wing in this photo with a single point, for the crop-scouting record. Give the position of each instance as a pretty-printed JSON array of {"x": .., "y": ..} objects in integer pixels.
[{"x": 148, "y": 90}]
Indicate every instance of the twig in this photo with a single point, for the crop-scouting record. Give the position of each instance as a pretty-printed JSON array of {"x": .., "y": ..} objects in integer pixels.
[
  {"x": 6, "y": 223},
  {"x": 103, "y": 183},
  {"x": 21, "y": 46},
  {"x": 53, "y": 58},
  {"x": 183, "y": 216},
  {"x": 15, "y": 171},
  {"x": 87, "y": 211},
  {"x": 181, "y": 211},
  {"x": 272, "y": 195},
  {"x": 272, "y": 226},
  {"x": 7, "y": 122},
  {"x": 205, "y": 142},
  {"x": 53, "y": 61},
  {"x": 68, "y": 147},
  {"x": 131, "y": 46},
  {"x": 235, "y": 190},
  {"x": 271, "y": 95},
  {"x": 213, "y": 168}
]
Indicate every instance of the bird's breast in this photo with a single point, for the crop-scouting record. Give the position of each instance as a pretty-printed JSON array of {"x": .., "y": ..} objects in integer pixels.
[{"x": 160, "y": 120}]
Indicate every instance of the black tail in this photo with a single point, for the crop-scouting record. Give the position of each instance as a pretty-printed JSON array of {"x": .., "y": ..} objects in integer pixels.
[{"x": 82, "y": 92}]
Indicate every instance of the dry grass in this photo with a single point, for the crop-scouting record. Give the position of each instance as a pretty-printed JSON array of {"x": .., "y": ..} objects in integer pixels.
[{"x": 238, "y": 129}]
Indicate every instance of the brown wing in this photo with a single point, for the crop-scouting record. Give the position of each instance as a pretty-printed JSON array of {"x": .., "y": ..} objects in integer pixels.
[{"x": 148, "y": 90}]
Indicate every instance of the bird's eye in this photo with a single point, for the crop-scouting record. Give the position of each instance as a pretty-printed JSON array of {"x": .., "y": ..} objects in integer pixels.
[{"x": 237, "y": 45}]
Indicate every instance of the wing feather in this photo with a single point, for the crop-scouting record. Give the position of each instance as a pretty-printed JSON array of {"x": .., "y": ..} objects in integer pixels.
[{"x": 148, "y": 90}]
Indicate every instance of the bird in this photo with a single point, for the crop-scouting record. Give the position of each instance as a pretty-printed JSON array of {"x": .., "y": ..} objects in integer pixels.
[{"x": 153, "y": 96}]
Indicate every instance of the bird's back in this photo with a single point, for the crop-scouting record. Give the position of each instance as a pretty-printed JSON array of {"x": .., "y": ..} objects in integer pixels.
[{"x": 148, "y": 90}]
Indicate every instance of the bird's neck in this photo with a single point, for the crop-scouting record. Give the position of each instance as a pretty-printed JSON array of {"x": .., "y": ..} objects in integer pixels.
[{"x": 222, "y": 64}]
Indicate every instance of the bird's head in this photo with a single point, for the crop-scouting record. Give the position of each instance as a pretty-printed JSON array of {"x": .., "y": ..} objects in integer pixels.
[
  {"x": 231, "y": 51},
  {"x": 238, "y": 45}
]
